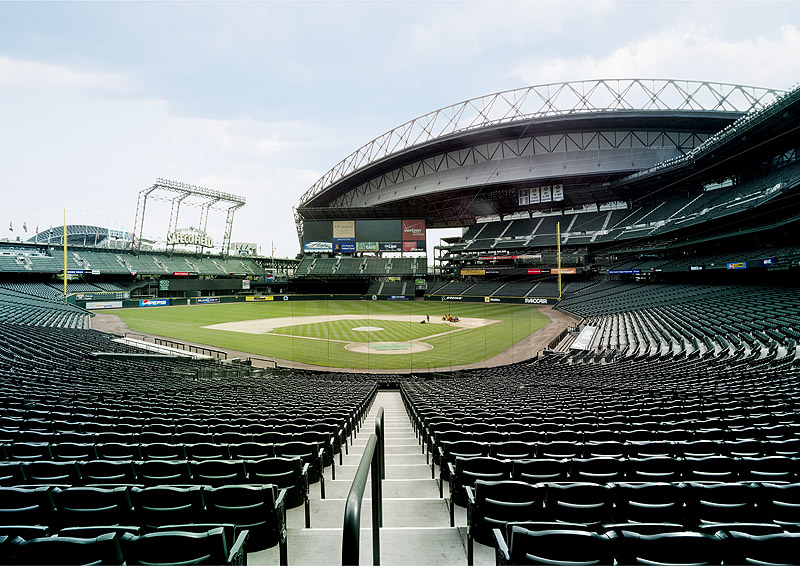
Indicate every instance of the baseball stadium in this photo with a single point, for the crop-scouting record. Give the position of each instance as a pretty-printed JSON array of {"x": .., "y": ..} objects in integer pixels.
[{"x": 601, "y": 368}]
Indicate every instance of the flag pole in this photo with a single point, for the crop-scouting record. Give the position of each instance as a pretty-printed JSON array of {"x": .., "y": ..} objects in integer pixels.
[{"x": 65, "y": 255}]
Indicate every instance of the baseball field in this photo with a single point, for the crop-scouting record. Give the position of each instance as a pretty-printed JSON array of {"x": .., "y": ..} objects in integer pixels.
[{"x": 381, "y": 335}]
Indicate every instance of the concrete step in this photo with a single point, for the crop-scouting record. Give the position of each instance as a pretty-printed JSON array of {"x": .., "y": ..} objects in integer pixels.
[
  {"x": 441, "y": 546},
  {"x": 412, "y": 488},
  {"x": 393, "y": 472},
  {"x": 397, "y": 512}
]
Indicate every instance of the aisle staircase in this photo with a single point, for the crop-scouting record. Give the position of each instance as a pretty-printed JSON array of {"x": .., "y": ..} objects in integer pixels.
[{"x": 416, "y": 520}]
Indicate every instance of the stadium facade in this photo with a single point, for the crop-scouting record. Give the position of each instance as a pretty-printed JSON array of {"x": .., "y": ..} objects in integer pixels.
[{"x": 617, "y": 166}]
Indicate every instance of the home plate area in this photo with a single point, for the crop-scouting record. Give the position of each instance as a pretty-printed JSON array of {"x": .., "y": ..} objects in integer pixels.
[{"x": 388, "y": 347}]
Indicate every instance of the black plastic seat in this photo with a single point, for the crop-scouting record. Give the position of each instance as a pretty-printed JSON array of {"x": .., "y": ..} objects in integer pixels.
[
  {"x": 175, "y": 547},
  {"x": 104, "y": 549},
  {"x": 655, "y": 469},
  {"x": 252, "y": 451},
  {"x": 163, "y": 472},
  {"x": 722, "y": 502},
  {"x": 118, "y": 451},
  {"x": 207, "y": 451},
  {"x": 119, "y": 472},
  {"x": 465, "y": 471},
  {"x": 559, "y": 450},
  {"x": 513, "y": 450},
  {"x": 494, "y": 504},
  {"x": 168, "y": 505},
  {"x": 764, "y": 549},
  {"x": 73, "y": 451},
  {"x": 259, "y": 509},
  {"x": 585, "y": 503},
  {"x": 649, "y": 503},
  {"x": 55, "y": 473},
  {"x": 597, "y": 470},
  {"x": 553, "y": 547},
  {"x": 541, "y": 470},
  {"x": 26, "y": 506},
  {"x": 670, "y": 549},
  {"x": 218, "y": 472},
  {"x": 86, "y": 506}
]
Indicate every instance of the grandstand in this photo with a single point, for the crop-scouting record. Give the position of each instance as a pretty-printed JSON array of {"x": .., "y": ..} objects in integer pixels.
[{"x": 662, "y": 426}]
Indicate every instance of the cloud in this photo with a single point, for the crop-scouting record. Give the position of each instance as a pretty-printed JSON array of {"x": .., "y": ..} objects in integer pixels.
[
  {"x": 687, "y": 51},
  {"x": 26, "y": 74}
]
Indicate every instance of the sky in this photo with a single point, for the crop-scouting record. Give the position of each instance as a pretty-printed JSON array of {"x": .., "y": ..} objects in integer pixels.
[{"x": 260, "y": 99}]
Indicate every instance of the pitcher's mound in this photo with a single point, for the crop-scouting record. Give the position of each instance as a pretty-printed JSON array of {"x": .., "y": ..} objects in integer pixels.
[{"x": 388, "y": 347}]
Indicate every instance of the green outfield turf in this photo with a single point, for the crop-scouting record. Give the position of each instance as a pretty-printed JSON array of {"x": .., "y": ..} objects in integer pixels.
[{"x": 322, "y": 342}]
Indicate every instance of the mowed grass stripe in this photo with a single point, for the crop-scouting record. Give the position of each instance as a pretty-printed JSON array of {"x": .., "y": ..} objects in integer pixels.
[{"x": 516, "y": 322}]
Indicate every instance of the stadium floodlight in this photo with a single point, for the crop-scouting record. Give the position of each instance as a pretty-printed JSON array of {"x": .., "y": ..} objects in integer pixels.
[{"x": 177, "y": 194}]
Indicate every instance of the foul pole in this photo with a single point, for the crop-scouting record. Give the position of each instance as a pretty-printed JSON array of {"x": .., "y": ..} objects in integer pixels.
[
  {"x": 64, "y": 239},
  {"x": 558, "y": 253}
]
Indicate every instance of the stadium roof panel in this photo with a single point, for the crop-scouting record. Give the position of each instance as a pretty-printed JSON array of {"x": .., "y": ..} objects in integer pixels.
[{"x": 485, "y": 115}]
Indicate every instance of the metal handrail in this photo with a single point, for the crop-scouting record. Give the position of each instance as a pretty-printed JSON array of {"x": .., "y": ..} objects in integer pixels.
[
  {"x": 372, "y": 463},
  {"x": 381, "y": 442}
]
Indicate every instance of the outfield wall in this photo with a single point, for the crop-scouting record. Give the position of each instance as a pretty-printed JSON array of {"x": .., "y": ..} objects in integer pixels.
[{"x": 145, "y": 303}]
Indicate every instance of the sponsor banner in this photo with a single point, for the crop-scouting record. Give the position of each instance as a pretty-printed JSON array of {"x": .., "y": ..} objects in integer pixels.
[
  {"x": 153, "y": 302},
  {"x": 624, "y": 271},
  {"x": 100, "y": 296},
  {"x": 391, "y": 246},
  {"x": 539, "y": 271},
  {"x": 396, "y": 298},
  {"x": 104, "y": 305},
  {"x": 75, "y": 271},
  {"x": 491, "y": 299},
  {"x": 344, "y": 245},
  {"x": 413, "y": 230},
  {"x": 558, "y": 192},
  {"x": 524, "y": 197},
  {"x": 367, "y": 246},
  {"x": 473, "y": 272},
  {"x": 453, "y": 298},
  {"x": 697, "y": 267},
  {"x": 535, "y": 195},
  {"x": 564, "y": 271},
  {"x": 260, "y": 298},
  {"x": 419, "y": 282},
  {"x": 245, "y": 284},
  {"x": 317, "y": 247},
  {"x": 494, "y": 257},
  {"x": 769, "y": 261},
  {"x": 207, "y": 300},
  {"x": 738, "y": 265},
  {"x": 184, "y": 274},
  {"x": 547, "y": 196},
  {"x": 413, "y": 246},
  {"x": 535, "y": 301},
  {"x": 95, "y": 272},
  {"x": 344, "y": 230}
]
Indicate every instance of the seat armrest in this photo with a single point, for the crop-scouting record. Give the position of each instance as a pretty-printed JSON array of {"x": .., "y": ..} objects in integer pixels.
[
  {"x": 470, "y": 495},
  {"x": 501, "y": 548},
  {"x": 279, "y": 501},
  {"x": 238, "y": 553}
]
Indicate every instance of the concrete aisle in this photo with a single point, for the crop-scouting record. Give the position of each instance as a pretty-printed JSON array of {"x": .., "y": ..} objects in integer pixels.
[{"x": 416, "y": 521}]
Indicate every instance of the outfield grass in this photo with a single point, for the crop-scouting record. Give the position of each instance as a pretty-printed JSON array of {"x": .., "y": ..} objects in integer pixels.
[{"x": 516, "y": 322}]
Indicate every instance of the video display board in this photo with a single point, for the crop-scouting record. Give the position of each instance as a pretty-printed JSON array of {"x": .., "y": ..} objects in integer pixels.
[{"x": 349, "y": 236}]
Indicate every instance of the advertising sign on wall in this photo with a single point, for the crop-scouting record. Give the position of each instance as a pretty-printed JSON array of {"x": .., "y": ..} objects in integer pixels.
[
  {"x": 345, "y": 229},
  {"x": 104, "y": 305},
  {"x": 367, "y": 246},
  {"x": 391, "y": 246},
  {"x": 318, "y": 247},
  {"x": 153, "y": 302},
  {"x": 413, "y": 230},
  {"x": 207, "y": 300},
  {"x": 344, "y": 245},
  {"x": 413, "y": 246}
]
